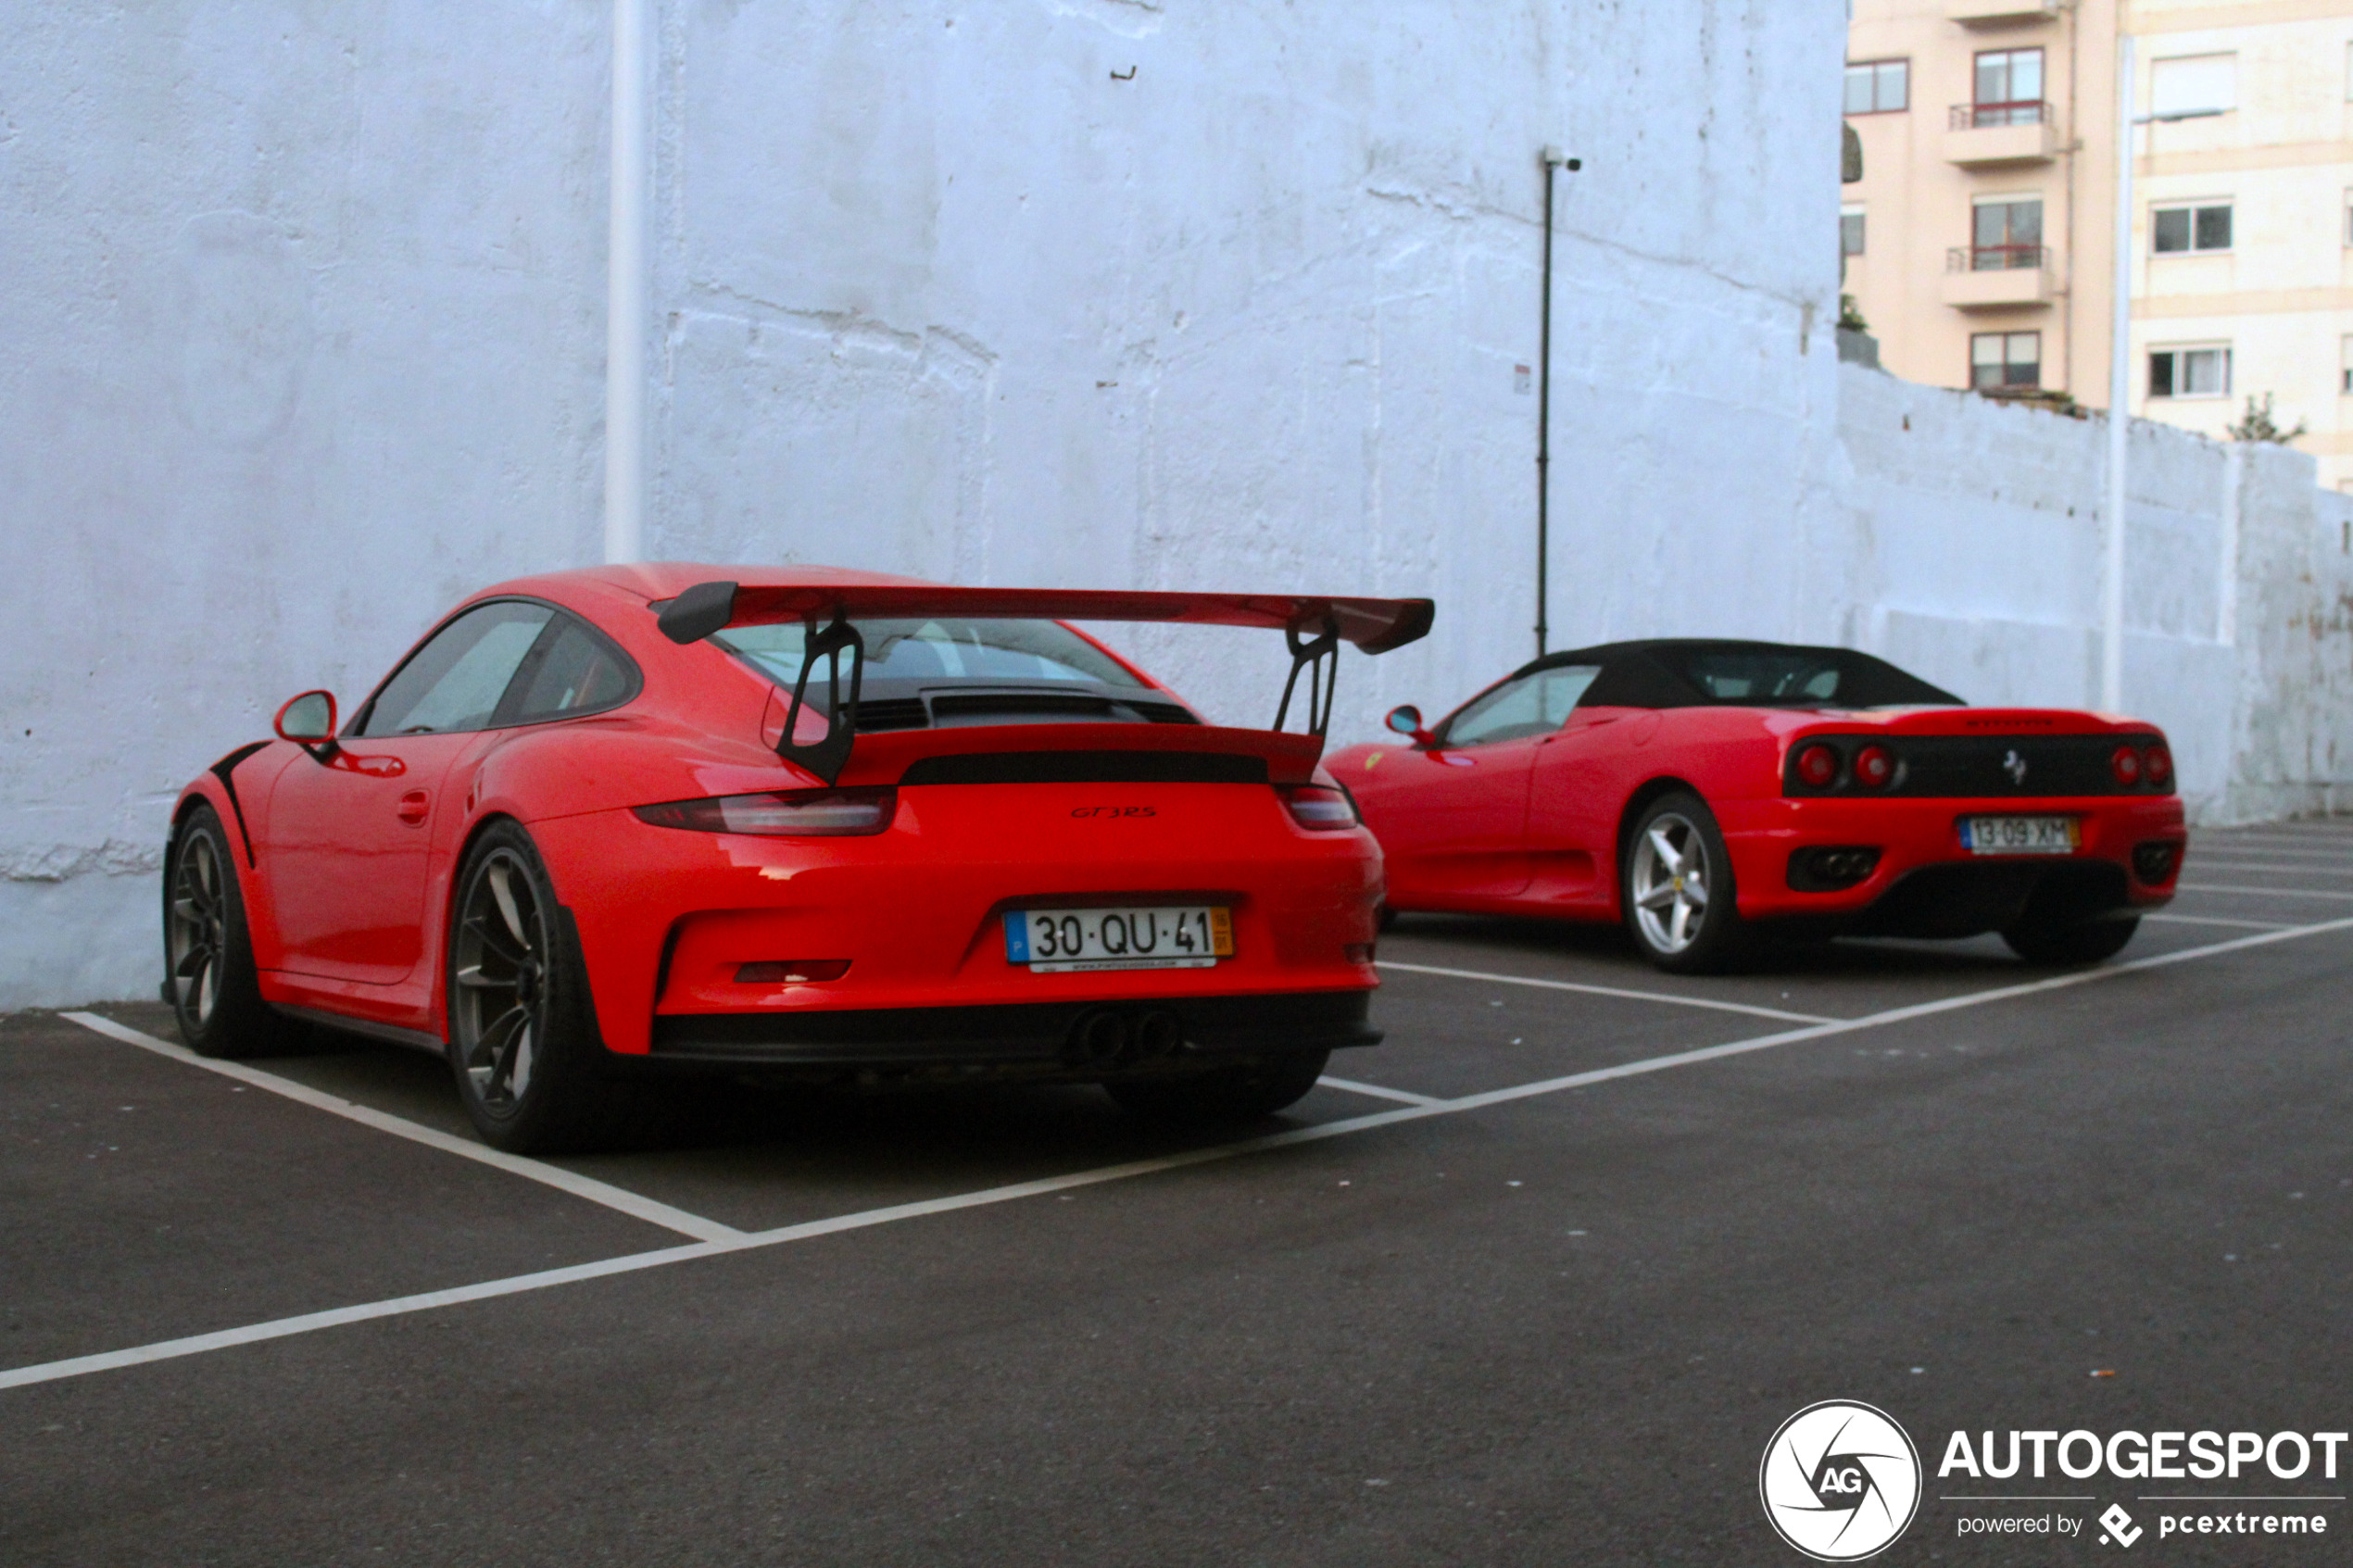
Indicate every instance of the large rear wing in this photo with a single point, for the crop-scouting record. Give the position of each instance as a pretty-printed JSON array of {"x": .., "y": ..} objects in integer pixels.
[{"x": 1313, "y": 629}]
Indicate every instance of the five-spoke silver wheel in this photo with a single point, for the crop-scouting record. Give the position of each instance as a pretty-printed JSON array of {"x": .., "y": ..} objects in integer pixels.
[
  {"x": 197, "y": 936},
  {"x": 1670, "y": 881},
  {"x": 500, "y": 971}
]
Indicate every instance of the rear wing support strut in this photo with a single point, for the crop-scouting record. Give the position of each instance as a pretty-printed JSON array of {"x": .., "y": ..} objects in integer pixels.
[
  {"x": 827, "y": 757},
  {"x": 1319, "y": 657}
]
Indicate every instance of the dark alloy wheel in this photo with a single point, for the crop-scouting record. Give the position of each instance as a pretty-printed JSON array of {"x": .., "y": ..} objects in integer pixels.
[
  {"x": 1675, "y": 883},
  {"x": 523, "y": 1037},
  {"x": 210, "y": 981},
  {"x": 1240, "y": 1093},
  {"x": 2076, "y": 942}
]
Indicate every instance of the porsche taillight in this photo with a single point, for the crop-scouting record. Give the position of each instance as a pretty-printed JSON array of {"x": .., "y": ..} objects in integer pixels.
[
  {"x": 783, "y": 813},
  {"x": 1319, "y": 808}
]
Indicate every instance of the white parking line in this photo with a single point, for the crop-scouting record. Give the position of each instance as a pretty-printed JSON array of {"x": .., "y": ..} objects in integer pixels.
[
  {"x": 556, "y": 1177},
  {"x": 2265, "y": 892},
  {"x": 280, "y": 1328},
  {"x": 1668, "y": 996},
  {"x": 2219, "y": 920},
  {"x": 1354, "y": 1087}
]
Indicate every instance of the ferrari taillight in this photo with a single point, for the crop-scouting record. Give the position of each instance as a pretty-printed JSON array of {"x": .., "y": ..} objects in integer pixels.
[
  {"x": 1319, "y": 808},
  {"x": 783, "y": 813},
  {"x": 2157, "y": 765},
  {"x": 2125, "y": 763},
  {"x": 1818, "y": 765},
  {"x": 1874, "y": 766}
]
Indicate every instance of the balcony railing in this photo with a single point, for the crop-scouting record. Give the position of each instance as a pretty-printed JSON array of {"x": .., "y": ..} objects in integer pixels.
[
  {"x": 1984, "y": 116},
  {"x": 1996, "y": 258}
]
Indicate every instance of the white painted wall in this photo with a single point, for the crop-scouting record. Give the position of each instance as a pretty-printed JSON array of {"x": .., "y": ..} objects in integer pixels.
[{"x": 311, "y": 341}]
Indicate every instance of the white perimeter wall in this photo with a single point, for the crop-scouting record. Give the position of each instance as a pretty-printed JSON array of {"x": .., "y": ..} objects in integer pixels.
[{"x": 309, "y": 342}]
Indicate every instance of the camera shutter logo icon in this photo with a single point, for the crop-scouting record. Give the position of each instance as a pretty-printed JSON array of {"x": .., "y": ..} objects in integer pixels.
[{"x": 1840, "y": 1481}]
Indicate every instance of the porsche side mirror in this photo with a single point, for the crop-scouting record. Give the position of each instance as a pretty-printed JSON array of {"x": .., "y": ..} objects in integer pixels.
[
  {"x": 1407, "y": 721},
  {"x": 307, "y": 721}
]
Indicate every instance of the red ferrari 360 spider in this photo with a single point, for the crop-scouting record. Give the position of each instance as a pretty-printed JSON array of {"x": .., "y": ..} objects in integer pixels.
[
  {"x": 1708, "y": 792},
  {"x": 798, "y": 823}
]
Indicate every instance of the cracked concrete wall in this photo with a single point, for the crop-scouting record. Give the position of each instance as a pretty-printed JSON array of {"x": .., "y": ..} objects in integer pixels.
[
  {"x": 1973, "y": 543},
  {"x": 1141, "y": 293},
  {"x": 306, "y": 339}
]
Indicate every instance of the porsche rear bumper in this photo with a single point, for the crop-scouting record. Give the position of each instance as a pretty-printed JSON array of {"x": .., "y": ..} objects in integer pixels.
[
  {"x": 669, "y": 919},
  {"x": 1032, "y": 1040},
  {"x": 1926, "y": 883}
]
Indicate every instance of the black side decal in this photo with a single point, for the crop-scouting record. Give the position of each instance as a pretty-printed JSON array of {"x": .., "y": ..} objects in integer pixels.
[{"x": 221, "y": 770}]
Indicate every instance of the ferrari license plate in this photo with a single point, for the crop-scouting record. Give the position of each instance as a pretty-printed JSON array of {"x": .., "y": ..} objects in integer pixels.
[
  {"x": 2021, "y": 835},
  {"x": 1067, "y": 941}
]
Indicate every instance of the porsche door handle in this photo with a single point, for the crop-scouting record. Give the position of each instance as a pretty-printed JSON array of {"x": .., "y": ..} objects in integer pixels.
[{"x": 413, "y": 806}]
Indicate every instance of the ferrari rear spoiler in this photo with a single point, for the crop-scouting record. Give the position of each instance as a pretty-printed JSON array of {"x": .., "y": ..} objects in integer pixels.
[{"x": 1313, "y": 628}]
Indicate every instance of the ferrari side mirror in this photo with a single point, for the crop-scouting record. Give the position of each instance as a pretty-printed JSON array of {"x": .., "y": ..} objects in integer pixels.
[
  {"x": 309, "y": 720},
  {"x": 1407, "y": 721}
]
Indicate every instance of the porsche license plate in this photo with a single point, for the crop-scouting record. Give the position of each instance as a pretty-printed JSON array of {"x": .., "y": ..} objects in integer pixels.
[
  {"x": 2021, "y": 835},
  {"x": 1068, "y": 941}
]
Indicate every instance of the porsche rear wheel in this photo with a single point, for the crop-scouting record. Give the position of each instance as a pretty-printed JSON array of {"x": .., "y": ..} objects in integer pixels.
[
  {"x": 1223, "y": 1094},
  {"x": 1675, "y": 883},
  {"x": 523, "y": 1035},
  {"x": 210, "y": 979}
]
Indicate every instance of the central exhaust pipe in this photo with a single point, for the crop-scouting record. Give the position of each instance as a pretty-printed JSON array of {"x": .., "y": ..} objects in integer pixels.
[
  {"x": 1100, "y": 1039},
  {"x": 1158, "y": 1034}
]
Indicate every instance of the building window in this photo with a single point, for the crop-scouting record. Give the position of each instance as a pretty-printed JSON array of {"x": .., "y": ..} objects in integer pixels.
[
  {"x": 2006, "y": 231},
  {"x": 2345, "y": 358},
  {"x": 1850, "y": 231},
  {"x": 2009, "y": 88},
  {"x": 2180, "y": 229},
  {"x": 2193, "y": 81},
  {"x": 2348, "y": 217},
  {"x": 2190, "y": 372},
  {"x": 1878, "y": 87},
  {"x": 2005, "y": 361}
]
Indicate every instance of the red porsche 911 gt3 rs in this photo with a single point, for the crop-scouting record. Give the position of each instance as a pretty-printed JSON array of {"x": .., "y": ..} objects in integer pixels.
[
  {"x": 799, "y": 823},
  {"x": 1710, "y": 792}
]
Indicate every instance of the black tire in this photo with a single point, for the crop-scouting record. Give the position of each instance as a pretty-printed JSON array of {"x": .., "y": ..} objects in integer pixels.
[
  {"x": 2075, "y": 942},
  {"x": 1242, "y": 1093},
  {"x": 210, "y": 977},
  {"x": 1676, "y": 931},
  {"x": 524, "y": 1043}
]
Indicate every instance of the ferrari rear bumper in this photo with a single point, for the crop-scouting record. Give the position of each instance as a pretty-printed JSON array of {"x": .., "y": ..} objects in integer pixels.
[{"x": 1924, "y": 882}]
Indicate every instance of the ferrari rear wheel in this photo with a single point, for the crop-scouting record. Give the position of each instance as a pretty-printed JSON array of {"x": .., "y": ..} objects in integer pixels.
[
  {"x": 210, "y": 979},
  {"x": 523, "y": 1035},
  {"x": 2077, "y": 942},
  {"x": 1675, "y": 883},
  {"x": 1223, "y": 1094}
]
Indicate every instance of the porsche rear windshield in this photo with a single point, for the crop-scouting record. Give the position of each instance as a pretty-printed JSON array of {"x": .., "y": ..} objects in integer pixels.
[
  {"x": 1790, "y": 677},
  {"x": 941, "y": 650}
]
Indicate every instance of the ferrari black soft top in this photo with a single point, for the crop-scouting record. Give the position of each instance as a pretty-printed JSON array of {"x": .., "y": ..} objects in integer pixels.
[{"x": 1712, "y": 672}]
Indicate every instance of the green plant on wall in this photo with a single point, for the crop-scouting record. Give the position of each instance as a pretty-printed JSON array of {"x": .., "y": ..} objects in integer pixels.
[{"x": 2259, "y": 425}]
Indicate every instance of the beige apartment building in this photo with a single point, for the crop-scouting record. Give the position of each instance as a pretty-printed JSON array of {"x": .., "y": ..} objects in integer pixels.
[{"x": 1979, "y": 243}]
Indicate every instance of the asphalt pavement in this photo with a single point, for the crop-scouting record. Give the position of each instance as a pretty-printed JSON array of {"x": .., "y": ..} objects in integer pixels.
[{"x": 1535, "y": 1282}]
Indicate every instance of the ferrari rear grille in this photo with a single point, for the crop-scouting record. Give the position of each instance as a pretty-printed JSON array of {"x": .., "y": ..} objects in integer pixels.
[
  {"x": 1976, "y": 765},
  {"x": 1087, "y": 766}
]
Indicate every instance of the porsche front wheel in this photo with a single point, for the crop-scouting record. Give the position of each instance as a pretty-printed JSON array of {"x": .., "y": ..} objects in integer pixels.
[
  {"x": 523, "y": 1037},
  {"x": 210, "y": 979},
  {"x": 1675, "y": 883}
]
